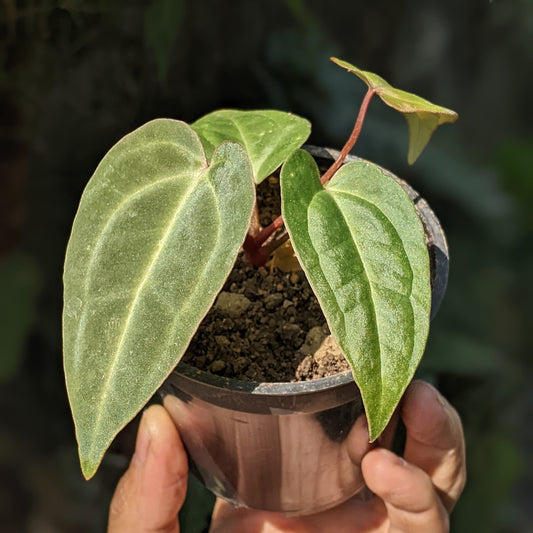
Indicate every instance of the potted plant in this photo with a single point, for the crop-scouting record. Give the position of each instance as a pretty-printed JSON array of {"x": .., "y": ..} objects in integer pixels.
[{"x": 158, "y": 230}]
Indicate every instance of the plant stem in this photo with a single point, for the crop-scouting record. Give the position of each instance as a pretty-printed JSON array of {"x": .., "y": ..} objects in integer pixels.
[
  {"x": 253, "y": 246},
  {"x": 265, "y": 233},
  {"x": 347, "y": 148}
]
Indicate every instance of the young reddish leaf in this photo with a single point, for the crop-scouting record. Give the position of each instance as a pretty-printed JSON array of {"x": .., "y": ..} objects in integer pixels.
[{"x": 422, "y": 116}]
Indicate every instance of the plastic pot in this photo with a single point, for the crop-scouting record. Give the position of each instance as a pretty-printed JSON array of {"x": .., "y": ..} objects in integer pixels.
[{"x": 283, "y": 446}]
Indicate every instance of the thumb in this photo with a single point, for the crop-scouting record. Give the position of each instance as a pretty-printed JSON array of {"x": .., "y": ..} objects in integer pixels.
[
  {"x": 412, "y": 502},
  {"x": 151, "y": 492}
]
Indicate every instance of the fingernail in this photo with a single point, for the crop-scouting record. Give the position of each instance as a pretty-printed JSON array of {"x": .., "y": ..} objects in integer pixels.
[
  {"x": 440, "y": 398},
  {"x": 392, "y": 457},
  {"x": 142, "y": 444}
]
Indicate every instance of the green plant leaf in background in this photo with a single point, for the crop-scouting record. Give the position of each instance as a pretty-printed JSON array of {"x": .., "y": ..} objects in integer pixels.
[
  {"x": 161, "y": 26},
  {"x": 20, "y": 284},
  {"x": 269, "y": 136},
  {"x": 362, "y": 247},
  {"x": 422, "y": 116},
  {"x": 195, "y": 514},
  {"x": 155, "y": 236}
]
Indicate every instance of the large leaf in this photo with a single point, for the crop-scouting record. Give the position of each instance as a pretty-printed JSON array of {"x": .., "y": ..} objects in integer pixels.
[
  {"x": 362, "y": 247},
  {"x": 422, "y": 116},
  {"x": 155, "y": 236},
  {"x": 269, "y": 136}
]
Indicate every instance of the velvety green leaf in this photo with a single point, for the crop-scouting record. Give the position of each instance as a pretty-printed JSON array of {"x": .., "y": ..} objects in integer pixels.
[
  {"x": 422, "y": 116},
  {"x": 362, "y": 247},
  {"x": 155, "y": 236},
  {"x": 269, "y": 136}
]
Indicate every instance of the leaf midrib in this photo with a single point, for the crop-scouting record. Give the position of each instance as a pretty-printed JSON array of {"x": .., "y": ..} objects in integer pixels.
[
  {"x": 117, "y": 354},
  {"x": 187, "y": 301},
  {"x": 99, "y": 244},
  {"x": 377, "y": 322},
  {"x": 259, "y": 162},
  {"x": 392, "y": 226},
  {"x": 269, "y": 154},
  {"x": 365, "y": 270}
]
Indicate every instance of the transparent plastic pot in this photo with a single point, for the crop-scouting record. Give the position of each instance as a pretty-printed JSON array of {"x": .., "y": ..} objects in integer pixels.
[{"x": 284, "y": 446}]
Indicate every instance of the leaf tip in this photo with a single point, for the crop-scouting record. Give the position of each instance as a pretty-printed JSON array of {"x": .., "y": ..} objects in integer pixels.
[
  {"x": 88, "y": 468},
  {"x": 91, "y": 455},
  {"x": 343, "y": 64},
  {"x": 413, "y": 155},
  {"x": 422, "y": 126},
  {"x": 376, "y": 423},
  {"x": 372, "y": 436}
]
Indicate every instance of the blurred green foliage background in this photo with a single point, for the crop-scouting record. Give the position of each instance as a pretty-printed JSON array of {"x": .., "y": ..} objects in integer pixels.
[{"x": 76, "y": 75}]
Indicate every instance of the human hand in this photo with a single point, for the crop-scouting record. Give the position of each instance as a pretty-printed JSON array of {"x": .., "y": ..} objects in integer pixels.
[{"x": 415, "y": 494}]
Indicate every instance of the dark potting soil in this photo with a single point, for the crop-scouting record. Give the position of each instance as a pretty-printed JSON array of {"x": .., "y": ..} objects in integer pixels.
[{"x": 266, "y": 325}]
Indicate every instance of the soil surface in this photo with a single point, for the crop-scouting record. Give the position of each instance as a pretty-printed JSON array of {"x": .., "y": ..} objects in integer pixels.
[{"x": 266, "y": 325}]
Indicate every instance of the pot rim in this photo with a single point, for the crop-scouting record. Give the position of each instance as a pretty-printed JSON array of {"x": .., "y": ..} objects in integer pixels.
[{"x": 266, "y": 388}]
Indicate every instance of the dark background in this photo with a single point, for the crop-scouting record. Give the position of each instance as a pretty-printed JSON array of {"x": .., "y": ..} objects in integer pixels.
[{"x": 77, "y": 75}]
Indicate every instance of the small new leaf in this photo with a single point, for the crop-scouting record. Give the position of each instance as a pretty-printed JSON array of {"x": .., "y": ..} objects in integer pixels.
[
  {"x": 268, "y": 136},
  {"x": 422, "y": 116},
  {"x": 155, "y": 236},
  {"x": 362, "y": 247}
]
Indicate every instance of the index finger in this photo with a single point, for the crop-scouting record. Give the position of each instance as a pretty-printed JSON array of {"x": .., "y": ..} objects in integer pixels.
[{"x": 435, "y": 440}]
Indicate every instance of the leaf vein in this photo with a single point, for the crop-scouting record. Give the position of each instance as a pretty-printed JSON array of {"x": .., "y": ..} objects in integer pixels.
[
  {"x": 117, "y": 354},
  {"x": 95, "y": 251},
  {"x": 370, "y": 285}
]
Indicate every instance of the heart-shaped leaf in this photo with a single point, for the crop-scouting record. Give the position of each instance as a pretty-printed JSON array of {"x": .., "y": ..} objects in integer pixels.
[
  {"x": 155, "y": 236},
  {"x": 422, "y": 116},
  {"x": 362, "y": 247},
  {"x": 269, "y": 136}
]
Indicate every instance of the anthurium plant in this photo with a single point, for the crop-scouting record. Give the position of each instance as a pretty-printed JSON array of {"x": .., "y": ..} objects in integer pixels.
[{"x": 163, "y": 218}]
